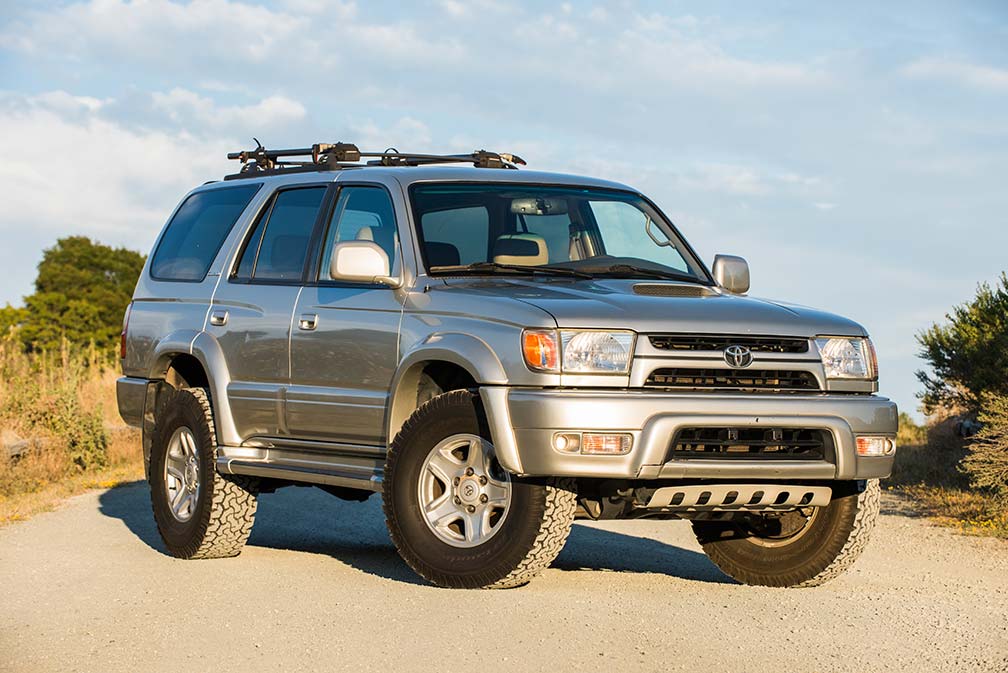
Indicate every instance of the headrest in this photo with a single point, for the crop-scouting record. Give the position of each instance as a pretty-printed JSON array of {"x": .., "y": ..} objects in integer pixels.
[
  {"x": 441, "y": 254},
  {"x": 523, "y": 249}
]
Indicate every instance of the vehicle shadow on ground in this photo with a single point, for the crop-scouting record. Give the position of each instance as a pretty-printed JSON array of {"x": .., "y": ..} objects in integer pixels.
[{"x": 308, "y": 520}]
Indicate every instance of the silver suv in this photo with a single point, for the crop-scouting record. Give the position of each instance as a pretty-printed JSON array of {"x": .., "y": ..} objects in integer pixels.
[{"x": 498, "y": 353}]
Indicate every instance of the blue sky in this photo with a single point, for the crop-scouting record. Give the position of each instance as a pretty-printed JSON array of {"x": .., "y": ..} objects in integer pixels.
[{"x": 855, "y": 153}]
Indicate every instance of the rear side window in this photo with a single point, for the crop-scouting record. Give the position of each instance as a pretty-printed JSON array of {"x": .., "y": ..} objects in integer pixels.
[
  {"x": 279, "y": 244},
  {"x": 195, "y": 234}
]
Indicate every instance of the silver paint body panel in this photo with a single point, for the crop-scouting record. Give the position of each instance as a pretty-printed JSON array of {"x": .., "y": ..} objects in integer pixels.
[{"x": 321, "y": 405}]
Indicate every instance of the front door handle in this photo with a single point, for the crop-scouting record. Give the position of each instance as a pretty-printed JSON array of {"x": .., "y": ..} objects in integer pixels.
[
  {"x": 307, "y": 321},
  {"x": 218, "y": 318}
]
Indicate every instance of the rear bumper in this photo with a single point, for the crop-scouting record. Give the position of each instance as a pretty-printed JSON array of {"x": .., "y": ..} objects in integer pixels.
[
  {"x": 523, "y": 421},
  {"x": 131, "y": 394}
]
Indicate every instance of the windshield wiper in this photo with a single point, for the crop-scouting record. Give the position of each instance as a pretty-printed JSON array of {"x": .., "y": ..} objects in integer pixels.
[
  {"x": 653, "y": 273},
  {"x": 484, "y": 267}
]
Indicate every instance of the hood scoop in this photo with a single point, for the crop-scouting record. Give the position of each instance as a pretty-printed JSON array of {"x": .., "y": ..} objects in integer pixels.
[{"x": 672, "y": 290}]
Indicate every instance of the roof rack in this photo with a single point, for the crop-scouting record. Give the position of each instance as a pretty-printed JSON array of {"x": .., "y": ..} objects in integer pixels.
[{"x": 338, "y": 156}]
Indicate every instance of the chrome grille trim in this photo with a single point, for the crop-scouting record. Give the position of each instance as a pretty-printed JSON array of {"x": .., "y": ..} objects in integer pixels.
[{"x": 718, "y": 342}]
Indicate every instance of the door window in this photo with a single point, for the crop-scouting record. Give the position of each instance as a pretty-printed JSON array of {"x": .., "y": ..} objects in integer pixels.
[
  {"x": 361, "y": 214},
  {"x": 279, "y": 243}
]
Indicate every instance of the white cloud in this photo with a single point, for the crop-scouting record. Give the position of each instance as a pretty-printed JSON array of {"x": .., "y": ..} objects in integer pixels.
[
  {"x": 223, "y": 34},
  {"x": 405, "y": 134},
  {"x": 184, "y": 106},
  {"x": 963, "y": 72},
  {"x": 122, "y": 180}
]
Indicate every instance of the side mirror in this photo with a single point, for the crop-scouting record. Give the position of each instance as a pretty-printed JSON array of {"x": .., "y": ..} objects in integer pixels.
[
  {"x": 731, "y": 273},
  {"x": 361, "y": 262}
]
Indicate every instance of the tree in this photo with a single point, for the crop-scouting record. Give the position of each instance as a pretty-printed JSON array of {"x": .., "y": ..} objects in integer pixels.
[
  {"x": 11, "y": 318},
  {"x": 987, "y": 462},
  {"x": 969, "y": 355},
  {"x": 81, "y": 293}
]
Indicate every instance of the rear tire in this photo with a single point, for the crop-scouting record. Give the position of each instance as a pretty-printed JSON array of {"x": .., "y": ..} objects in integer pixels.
[
  {"x": 770, "y": 552},
  {"x": 200, "y": 513},
  {"x": 455, "y": 516}
]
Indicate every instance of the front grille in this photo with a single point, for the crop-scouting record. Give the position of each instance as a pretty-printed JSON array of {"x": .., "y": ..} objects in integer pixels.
[
  {"x": 768, "y": 380},
  {"x": 742, "y": 443},
  {"x": 718, "y": 342}
]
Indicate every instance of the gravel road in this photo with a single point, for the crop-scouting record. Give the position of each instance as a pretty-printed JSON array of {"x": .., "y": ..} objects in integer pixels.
[{"x": 88, "y": 588}]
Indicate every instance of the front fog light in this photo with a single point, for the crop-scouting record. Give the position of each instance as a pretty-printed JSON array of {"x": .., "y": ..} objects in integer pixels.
[
  {"x": 597, "y": 443},
  {"x": 876, "y": 446},
  {"x": 567, "y": 442}
]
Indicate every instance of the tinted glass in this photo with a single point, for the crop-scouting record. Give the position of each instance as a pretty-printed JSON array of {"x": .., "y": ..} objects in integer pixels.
[
  {"x": 197, "y": 231},
  {"x": 621, "y": 225},
  {"x": 248, "y": 257},
  {"x": 555, "y": 230},
  {"x": 595, "y": 231},
  {"x": 456, "y": 236},
  {"x": 284, "y": 244},
  {"x": 361, "y": 214}
]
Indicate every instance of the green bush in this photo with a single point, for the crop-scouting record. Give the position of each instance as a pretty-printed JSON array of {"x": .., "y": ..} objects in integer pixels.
[
  {"x": 987, "y": 461},
  {"x": 42, "y": 398},
  {"x": 969, "y": 355}
]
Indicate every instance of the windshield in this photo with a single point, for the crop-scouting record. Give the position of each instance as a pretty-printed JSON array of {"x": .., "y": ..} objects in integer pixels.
[{"x": 512, "y": 228}]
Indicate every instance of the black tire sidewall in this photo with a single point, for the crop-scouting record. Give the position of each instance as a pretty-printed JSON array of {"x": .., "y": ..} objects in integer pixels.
[
  {"x": 448, "y": 415},
  {"x": 786, "y": 564},
  {"x": 178, "y": 408}
]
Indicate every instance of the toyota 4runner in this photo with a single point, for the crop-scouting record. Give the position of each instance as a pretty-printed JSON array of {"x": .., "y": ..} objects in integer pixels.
[{"x": 498, "y": 353}]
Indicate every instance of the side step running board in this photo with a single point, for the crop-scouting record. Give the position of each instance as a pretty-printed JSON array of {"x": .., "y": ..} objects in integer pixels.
[
  {"x": 739, "y": 497},
  {"x": 331, "y": 470}
]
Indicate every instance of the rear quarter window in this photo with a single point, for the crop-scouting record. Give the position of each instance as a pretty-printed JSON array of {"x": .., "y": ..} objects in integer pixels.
[{"x": 193, "y": 237}]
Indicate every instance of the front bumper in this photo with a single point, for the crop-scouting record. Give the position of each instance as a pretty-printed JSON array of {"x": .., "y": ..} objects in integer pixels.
[{"x": 523, "y": 421}]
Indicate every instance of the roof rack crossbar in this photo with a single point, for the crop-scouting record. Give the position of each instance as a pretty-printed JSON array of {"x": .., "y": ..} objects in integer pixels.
[{"x": 337, "y": 156}]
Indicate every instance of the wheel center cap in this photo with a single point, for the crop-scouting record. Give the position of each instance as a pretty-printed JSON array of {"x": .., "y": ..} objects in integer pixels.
[
  {"x": 468, "y": 490},
  {"x": 190, "y": 476}
]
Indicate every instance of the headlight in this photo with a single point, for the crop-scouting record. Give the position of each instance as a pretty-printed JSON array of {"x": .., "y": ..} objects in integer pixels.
[
  {"x": 848, "y": 358},
  {"x": 582, "y": 352}
]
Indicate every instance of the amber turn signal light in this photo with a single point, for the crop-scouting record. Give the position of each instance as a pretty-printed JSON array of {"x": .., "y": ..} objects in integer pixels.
[{"x": 541, "y": 350}]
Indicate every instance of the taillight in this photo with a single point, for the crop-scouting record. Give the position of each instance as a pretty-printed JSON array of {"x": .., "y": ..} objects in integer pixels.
[{"x": 122, "y": 335}]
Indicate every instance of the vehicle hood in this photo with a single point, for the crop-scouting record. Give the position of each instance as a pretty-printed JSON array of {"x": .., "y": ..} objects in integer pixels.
[{"x": 613, "y": 304}]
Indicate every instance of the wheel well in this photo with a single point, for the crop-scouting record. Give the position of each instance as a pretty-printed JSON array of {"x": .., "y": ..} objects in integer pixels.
[
  {"x": 185, "y": 371},
  {"x": 414, "y": 385}
]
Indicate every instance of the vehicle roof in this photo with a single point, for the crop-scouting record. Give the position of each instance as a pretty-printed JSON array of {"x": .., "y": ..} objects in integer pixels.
[{"x": 408, "y": 175}]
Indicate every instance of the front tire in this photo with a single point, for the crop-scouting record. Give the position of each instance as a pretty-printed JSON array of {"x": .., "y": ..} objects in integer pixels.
[
  {"x": 200, "y": 513},
  {"x": 798, "y": 549},
  {"x": 455, "y": 516}
]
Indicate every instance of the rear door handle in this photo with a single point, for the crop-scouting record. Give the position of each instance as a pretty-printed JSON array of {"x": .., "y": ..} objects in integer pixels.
[
  {"x": 307, "y": 321},
  {"x": 218, "y": 318}
]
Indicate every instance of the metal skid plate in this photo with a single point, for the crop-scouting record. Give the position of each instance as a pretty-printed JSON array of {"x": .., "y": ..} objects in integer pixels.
[{"x": 739, "y": 497}]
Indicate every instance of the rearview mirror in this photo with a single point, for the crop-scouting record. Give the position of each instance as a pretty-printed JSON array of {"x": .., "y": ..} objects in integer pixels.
[
  {"x": 731, "y": 273},
  {"x": 361, "y": 262},
  {"x": 538, "y": 206}
]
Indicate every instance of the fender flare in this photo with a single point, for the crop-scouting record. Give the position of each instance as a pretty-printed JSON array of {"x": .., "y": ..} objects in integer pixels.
[
  {"x": 206, "y": 349},
  {"x": 464, "y": 350}
]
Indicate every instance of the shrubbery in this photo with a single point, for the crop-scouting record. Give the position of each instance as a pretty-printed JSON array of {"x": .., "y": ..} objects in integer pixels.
[
  {"x": 987, "y": 462},
  {"x": 968, "y": 380},
  {"x": 43, "y": 398}
]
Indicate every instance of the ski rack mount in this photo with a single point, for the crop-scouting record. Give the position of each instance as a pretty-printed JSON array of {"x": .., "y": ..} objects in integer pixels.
[{"x": 338, "y": 156}]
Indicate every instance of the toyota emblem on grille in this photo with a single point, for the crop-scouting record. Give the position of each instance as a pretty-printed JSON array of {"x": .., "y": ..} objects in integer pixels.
[{"x": 738, "y": 356}]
